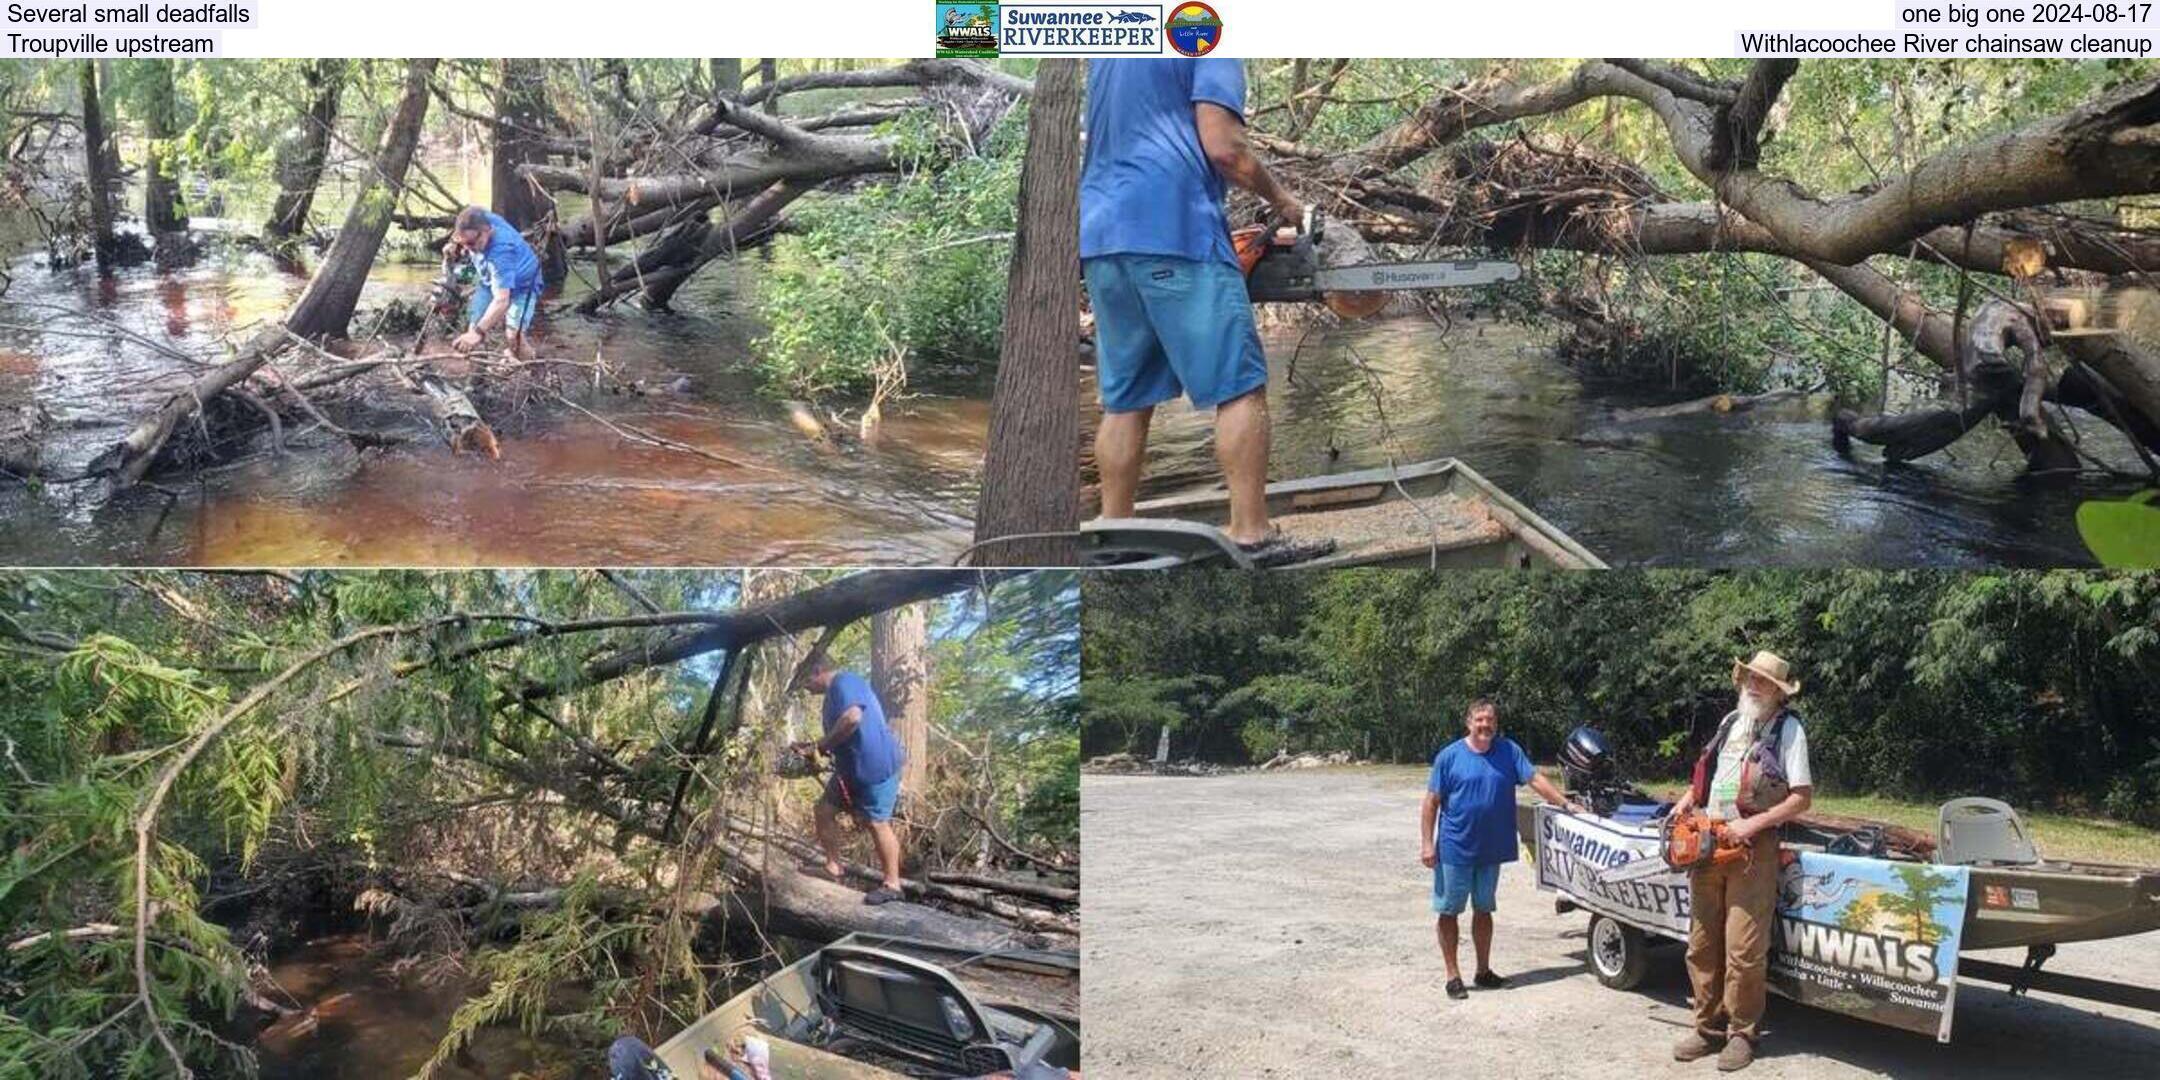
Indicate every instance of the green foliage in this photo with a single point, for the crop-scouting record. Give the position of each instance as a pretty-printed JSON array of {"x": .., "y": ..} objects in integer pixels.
[
  {"x": 909, "y": 270},
  {"x": 2031, "y": 686},
  {"x": 2123, "y": 534}
]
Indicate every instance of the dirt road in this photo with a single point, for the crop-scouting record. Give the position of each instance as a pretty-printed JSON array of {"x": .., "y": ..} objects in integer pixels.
[{"x": 1274, "y": 924}]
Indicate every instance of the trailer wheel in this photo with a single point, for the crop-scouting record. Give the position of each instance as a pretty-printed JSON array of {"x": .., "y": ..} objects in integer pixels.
[{"x": 1618, "y": 953}]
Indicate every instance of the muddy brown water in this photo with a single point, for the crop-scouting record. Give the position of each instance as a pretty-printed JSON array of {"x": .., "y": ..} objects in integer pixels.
[
  {"x": 361, "y": 1017},
  {"x": 1746, "y": 489},
  {"x": 567, "y": 491}
]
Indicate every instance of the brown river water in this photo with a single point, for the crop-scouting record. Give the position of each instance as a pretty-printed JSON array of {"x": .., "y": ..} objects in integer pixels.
[
  {"x": 566, "y": 492},
  {"x": 361, "y": 1018},
  {"x": 1757, "y": 488}
]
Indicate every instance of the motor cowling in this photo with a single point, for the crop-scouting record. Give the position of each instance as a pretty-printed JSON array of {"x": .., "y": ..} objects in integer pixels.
[{"x": 1586, "y": 758}]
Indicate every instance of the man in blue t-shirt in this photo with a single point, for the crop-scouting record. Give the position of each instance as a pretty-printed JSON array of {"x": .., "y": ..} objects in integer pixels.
[
  {"x": 1467, "y": 830},
  {"x": 865, "y": 780},
  {"x": 509, "y": 277},
  {"x": 1171, "y": 311}
]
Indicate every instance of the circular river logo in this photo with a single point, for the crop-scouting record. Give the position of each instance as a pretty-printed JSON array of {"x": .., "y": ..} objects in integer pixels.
[{"x": 1194, "y": 29}]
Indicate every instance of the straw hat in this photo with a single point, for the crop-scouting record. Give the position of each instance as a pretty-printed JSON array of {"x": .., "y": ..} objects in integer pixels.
[{"x": 1770, "y": 666}]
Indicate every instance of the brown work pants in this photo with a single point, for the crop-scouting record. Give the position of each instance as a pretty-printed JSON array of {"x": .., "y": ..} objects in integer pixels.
[{"x": 1728, "y": 948}]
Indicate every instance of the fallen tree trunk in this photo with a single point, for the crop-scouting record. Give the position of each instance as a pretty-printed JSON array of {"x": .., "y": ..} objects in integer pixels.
[
  {"x": 126, "y": 461},
  {"x": 1031, "y": 889}
]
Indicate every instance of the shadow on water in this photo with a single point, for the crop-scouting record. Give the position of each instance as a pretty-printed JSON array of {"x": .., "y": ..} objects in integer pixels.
[
  {"x": 1702, "y": 489},
  {"x": 566, "y": 493}
]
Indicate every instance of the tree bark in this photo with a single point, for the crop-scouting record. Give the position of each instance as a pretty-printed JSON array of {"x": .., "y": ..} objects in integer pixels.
[
  {"x": 768, "y": 70},
  {"x": 161, "y": 186},
  {"x": 327, "y": 306},
  {"x": 1031, "y": 483},
  {"x": 301, "y": 154},
  {"x": 900, "y": 673},
  {"x": 726, "y": 75},
  {"x": 521, "y": 112},
  {"x": 104, "y": 243},
  {"x": 835, "y": 603}
]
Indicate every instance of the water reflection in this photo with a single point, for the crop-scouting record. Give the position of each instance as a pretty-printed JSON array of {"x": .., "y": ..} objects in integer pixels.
[
  {"x": 1755, "y": 488},
  {"x": 565, "y": 493}
]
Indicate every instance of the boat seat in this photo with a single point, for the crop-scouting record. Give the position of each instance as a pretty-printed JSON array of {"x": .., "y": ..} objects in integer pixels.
[
  {"x": 1157, "y": 544},
  {"x": 918, "y": 1009},
  {"x": 1976, "y": 831}
]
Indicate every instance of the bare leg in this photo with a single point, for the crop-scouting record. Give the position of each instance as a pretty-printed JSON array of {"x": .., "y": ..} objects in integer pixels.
[
  {"x": 887, "y": 843},
  {"x": 1481, "y": 939},
  {"x": 828, "y": 837},
  {"x": 1241, "y": 446},
  {"x": 1120, "y": 444},
  {"x": 1450, "y": 937},
  {"x": 520, "y": 347}
]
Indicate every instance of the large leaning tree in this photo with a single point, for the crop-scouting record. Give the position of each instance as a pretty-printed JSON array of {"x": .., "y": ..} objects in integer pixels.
[{"x": 2014, "y": 210}]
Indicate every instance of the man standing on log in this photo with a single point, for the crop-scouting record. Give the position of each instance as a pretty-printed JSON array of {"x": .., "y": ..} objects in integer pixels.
[
  {"x": 1171, "y": 311},
  {"x": 509, "y": 275},
  {"x": 865, "y": 780},
  {"x": 1473, "y": 781},
  {"x": 1753, "y": 773}
]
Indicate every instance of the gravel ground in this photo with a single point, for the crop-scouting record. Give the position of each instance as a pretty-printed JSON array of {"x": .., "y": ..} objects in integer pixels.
[{"x": 1277, "y": 924}]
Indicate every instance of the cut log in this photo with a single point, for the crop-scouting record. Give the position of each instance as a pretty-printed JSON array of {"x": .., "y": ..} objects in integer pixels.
[{"x": 1009, "y": 886}]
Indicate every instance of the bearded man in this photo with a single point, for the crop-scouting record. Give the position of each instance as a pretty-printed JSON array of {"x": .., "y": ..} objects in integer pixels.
[{"x": 1752, "y": 774}]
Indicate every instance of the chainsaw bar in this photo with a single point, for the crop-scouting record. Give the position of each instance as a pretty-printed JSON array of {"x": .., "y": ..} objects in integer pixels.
[{"x": 1388, "y": 277}]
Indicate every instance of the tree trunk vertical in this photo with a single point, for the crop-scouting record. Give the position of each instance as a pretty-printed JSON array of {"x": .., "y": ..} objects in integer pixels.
[
  {"x": 900, "y": 673},
  {"x": 768, "y": 70},
  {"x": 161, "y": 184},
  {"x": 300, "y": 157},
  {"x": 726, "y": 76},
  {"x": 1031, "y": 474},
  {"x": 327, "y": 305},
  {"x": 97, "y": 177},
  {"x": 520, "y": 113}
]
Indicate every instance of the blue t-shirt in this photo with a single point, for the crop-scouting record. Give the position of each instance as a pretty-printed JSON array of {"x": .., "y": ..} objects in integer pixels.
[
  {"x": 509, "y": 263},
  {"x": 1147, "y": 187},
  {"x": 872, "y": 754},
  {"x": 1477, "y": 791}
]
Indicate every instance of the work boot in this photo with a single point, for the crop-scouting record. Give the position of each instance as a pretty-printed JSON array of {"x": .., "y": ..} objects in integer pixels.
[
  {"x": 1694, "y": 1045},
  {"x": 1738, "y": 1054}
]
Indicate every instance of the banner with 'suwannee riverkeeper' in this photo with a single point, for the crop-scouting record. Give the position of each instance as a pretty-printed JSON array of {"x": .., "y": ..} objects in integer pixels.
[{"x": 1871, "y": 938}]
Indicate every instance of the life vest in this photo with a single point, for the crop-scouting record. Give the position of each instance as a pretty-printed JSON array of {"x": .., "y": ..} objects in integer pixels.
[{"x": 1763, "y": 783}]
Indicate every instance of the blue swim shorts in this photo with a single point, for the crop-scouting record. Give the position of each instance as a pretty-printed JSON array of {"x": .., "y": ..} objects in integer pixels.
[
  {"x": 524, "y": 304},
  {"x": 1165, "y": 326},
  {"x": 872, "y": 802},
  {"x": 1454, "y": 886}
]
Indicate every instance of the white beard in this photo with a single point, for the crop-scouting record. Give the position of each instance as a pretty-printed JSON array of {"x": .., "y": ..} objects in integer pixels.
[{"x": 1753, "y": 708}]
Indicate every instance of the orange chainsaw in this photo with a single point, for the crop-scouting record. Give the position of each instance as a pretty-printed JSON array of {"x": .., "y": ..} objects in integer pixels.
[{"x": 1684, "y": 843}]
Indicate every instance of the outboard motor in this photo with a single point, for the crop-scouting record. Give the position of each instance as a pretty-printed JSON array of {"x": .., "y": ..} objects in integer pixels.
[
  {"x": 1585, "y": 760},
  {"x": 1591, "y": 775}
]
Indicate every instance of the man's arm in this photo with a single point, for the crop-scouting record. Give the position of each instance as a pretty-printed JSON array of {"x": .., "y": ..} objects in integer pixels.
[
  {"x": 1796, "y": 803},
  {"x": 1223, "y": 139},
  {"x": 1428, "y": 820},
  {"x": 843, "y": 729},
  {"x": 498, "y": 310}
]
